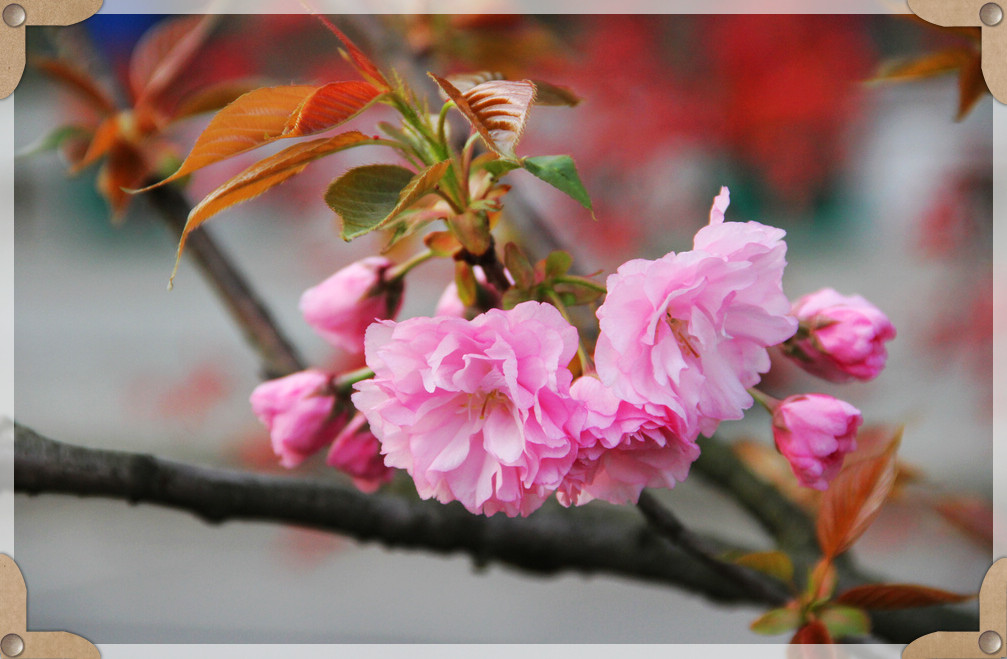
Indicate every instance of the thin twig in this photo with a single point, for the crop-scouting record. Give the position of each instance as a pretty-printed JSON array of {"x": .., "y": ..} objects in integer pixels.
[
  {"x": 665, "y": 521},
  {"x": 260, "y": 329}
]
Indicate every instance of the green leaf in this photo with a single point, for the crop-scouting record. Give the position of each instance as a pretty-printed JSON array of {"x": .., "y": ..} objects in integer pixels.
[
  {"x": 473, "y": 231},
  {"x": 557, "y": 264},
  {"x": 519, "y": 266},
  {"x": 514, "y": 297},
  {"x": 465, "y": 282},
  {"x": 52, "y": 141},
  {"x": 577, "y": 292},
  {"x": 421, "y": 185},
  {"x": 777, "y": 621},
  {"x": 365, "y": 196},
  {"x": 500, "y": 167},
  {"x": 845, "y": 621},
  {"x": 561, "y": 173}
]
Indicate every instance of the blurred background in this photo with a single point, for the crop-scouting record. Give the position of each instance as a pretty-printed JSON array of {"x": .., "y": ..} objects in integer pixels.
[{"x": 881, "y": 190}]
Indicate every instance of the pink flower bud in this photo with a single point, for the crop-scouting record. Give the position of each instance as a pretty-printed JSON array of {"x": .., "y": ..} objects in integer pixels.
[
  {"x": 815, "y": 432},
  {"x": 341, "y": 307},
  {"x": 841, "y": 338},
  {"x": 357, "y": 452},
  {"x": 298, "y": 410},
  {"x": 488, "y": 297}
]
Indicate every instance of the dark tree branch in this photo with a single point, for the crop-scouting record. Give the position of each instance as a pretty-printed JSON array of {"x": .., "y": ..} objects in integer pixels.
[
  {"x": 589, "y": 540},
  {"x": 258, "y": 326},
  {"x": 665, "y": 521},
  {"x": 784, "y": 520}
]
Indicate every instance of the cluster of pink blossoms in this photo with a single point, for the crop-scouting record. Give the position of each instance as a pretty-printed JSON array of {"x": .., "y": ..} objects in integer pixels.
[
  {"x": 301, "y": 411},
  {"x": 485, "y": 411}
]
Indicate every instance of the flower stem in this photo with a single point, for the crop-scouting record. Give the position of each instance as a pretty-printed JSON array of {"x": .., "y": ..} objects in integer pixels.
[
  {"x": 344, "y": 383},
  {"x": 401, "y": 270},
  {"x": 764, "y": 399}
]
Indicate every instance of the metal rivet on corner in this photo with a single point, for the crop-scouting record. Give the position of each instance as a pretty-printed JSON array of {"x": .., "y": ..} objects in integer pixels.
[
  {"x": 990, "y": 642},
  {"x": 991, "y": 14},
  {"x": 14, "y": 15},
  {"x": 11, "y": 645}
]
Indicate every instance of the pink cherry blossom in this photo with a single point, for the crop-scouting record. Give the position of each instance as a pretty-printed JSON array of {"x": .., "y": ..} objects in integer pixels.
[
  {"x": 299, "y": 411},
  {"x": 341, "y": 307},
  {"x": 475, "y": 411},
  {"x": 815, "y": 432},
  {"x": 841, "y": 337},
  {"x": 624, "y": 448},
  {"x": 689, "y": 331},
  {"x": 356, "y": 451}
]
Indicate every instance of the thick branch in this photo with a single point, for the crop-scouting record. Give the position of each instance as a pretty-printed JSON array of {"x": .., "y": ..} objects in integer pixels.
[
  {"x": 257, "y": 324},
  {"x": 552, "y": 540}
]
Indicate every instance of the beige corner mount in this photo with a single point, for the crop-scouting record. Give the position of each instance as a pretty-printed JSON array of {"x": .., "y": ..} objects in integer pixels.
[
  {"x": 989, "y": 642},
  {"x": 991, "y": 17},
  {"x": 16, "y": 641},
  {"x": 16, "y": 15}
]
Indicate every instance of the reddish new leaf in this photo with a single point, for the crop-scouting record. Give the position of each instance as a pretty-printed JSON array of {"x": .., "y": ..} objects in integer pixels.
[
  {"x": 78, "y": 82},
  {"x": 927, "y": 66},
  {"x": 888, "y": 597},
  {"x": 213, "y": 97},
  {"x": 105, "y": 136},
  {"x": 971, "y": 514},
  {"x": 328, "y": 106},
  {"x": 971, "y": 85},
  {"x": 163, "y": 52},
  {"x": 814, "y": 633},
  {"x": 254, "y": 119},
  {"x": 124, "y": 167},
  {"x": 262, "y": 176},
  {"x": 360, "y": 62},
  {"x": 854, "y": 499},
  {"x": 497, "y": 109}
]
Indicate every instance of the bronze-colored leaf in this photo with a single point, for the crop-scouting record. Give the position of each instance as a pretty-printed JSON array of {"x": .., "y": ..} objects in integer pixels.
[
  {"x": 163, "y": 52},
  {"x": 78, "y": 82},
  {"x": 497, "y": 109},
  {"x": 814, "y": 632},
  {"x": 442, "y": 243},
  {"x": 971, "y": 86},
  {"x": 854, "y": 499},
  {"x": 889, "y": 597},
  {"x": 261, "y": 176},
  {"x": 971, "y": 514},
  {"x": 773, "y": 563},
  {"x": 466, "y": 81},
  {"x": 328, "y": 106},
  {"x": 269, "y": 173},
  {"x": 105, "y": 136},
  {"x": 822, "y": 581},
  {"x": 360, "y": 62},
  {"x": 926, "y": 66},
  {"x": 213, "y": 98},
  {"x": 550, "y": 94},
  {"x": 124, "y": 167},
  {"x": 254, "y": 119}
]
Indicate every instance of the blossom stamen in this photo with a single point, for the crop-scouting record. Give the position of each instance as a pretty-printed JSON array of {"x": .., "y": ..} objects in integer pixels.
[{"x": 681, "y": 332}]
